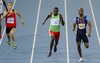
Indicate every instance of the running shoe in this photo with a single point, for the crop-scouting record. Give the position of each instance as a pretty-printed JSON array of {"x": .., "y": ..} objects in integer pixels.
[
  {"x": 81, "y": 60},
  {"x": 8, "y": 43},
  {"x": 49, "y": 54},
  {"x": 15, "y": 46}
]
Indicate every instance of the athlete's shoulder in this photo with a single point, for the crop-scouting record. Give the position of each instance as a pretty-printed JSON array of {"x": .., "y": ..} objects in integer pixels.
[
  {"x": 75, "y": 19},
  {"x": 14, "y": 10},
  {"x": 87, "y": 18},
  {"x": 60, "y": 14}
]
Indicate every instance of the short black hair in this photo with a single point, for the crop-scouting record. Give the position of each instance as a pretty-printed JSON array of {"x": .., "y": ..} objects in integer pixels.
[{"x": 56, "y": 8}]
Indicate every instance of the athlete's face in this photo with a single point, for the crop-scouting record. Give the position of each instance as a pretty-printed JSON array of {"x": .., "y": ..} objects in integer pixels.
[
  {"x": 55, "y": 11},
  {"x": 10, "y": 6},
  {"x": 80, "y": 11}
]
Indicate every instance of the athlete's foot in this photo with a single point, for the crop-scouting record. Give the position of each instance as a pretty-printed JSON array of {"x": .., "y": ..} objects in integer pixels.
[
  {"x": 15, "y": 46},
  {"x": 81, "y": 60},
  {"x": 8, "y": 43},
  {"x": 49, "y": 54},
  {"x": 0, "y": 36},
  {"x": 55, "y": 49}
]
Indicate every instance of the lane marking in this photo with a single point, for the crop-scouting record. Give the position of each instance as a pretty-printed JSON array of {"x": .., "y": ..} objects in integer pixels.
[
  {"x": 67, "y": 46},
  {"x": 97, "y": 32},
  {"x": 35, "y": 33},
  {"x": 5, "y": 26}
]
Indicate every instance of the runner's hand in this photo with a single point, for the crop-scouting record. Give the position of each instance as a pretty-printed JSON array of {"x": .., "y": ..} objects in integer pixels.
[
  {"x": 43, "y": 23},
  {"x": 89, "y": 35},
  {"x": 73, "y": 29},
  {"x": 22, "y": 23}
]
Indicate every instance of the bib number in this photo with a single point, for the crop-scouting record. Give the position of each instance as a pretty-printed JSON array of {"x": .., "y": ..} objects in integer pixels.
[
  {"x": 81, "y": 26},
  {"x": 10, "y": 20},
  {"x": 55, "y": 22}
]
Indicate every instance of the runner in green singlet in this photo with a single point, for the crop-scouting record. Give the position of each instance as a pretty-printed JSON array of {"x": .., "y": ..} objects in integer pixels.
[{"x": 54, "y": 29}]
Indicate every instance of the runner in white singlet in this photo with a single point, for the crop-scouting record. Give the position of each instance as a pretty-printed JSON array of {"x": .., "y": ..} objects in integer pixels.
[{"x": 2, "y": 2}]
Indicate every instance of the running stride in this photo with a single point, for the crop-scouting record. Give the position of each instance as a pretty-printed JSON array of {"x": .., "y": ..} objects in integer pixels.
[
  {"x": 54, "y": 29},
  {"x": 11, "y": 23},
  {"x": 2, "y": 2},
  {"x": 81, "y": 21}
]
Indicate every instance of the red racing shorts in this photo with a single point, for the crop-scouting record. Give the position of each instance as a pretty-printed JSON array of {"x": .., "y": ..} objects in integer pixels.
[{"x": 55, "y": 34}]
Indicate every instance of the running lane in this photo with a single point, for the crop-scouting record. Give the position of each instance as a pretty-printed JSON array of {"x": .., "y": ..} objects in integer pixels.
[
  {"x": 43, "y": 39},
  {"x": 96, "y": 9},
  {"x": 24, "y": 35},
  {"x": 92, "y": 54}
]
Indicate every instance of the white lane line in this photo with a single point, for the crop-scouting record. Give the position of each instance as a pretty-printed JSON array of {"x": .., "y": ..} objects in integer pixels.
[
  {"x": 94, "y": 21},
  {"x": 34, "y": 39},
  {"x": 5, "y": 26},
  {"x": 65, "y": 3}
]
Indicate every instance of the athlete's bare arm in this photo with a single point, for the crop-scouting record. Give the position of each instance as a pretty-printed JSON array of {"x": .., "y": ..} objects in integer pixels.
[
  {"x": 47, "y": 18},
  {"x": 19, "y": 15},
  {"x": 62, "y": 21},
  {"x": 90, "y": 28},
  {"x": 4, "y": 3},
  {"x": 5, "y": 13},
  {"x": 74, "y": 26}
]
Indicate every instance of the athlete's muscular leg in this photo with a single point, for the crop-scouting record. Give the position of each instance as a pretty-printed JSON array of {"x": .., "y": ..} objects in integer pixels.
[
  {"x": 79, "y": 49},
  {"x": 12, "y": 35},
  {"x": 51, "y": 45},
  {"x": 8, "y": 36},
  {"x": 55, "y": 46},
  {"x": 86, "y": 44}
]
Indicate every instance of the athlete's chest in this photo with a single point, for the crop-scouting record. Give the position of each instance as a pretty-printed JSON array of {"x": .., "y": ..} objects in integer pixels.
[
  {"x": 81, "y": 20},
  {"x": 12, "y": 14}
]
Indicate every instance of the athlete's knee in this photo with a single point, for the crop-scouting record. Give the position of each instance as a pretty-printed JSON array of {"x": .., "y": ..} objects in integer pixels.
[
  {"x": 56, "y": 42},
  {"x": 78, "y": 43},
  {"x": 52, "y": 37},
  {"x": 11, "y": 33},
  {"x": 86, "y": 45}
]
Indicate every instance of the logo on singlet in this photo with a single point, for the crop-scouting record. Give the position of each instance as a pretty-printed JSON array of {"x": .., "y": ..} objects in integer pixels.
[{"x": 81, "y": 24}]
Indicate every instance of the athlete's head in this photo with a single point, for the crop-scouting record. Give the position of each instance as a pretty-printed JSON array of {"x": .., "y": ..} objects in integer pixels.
[
  {"x": 10, "y": 5},
  {"x": 56, "y": 10},
  {"x": 81, "y": 11}
]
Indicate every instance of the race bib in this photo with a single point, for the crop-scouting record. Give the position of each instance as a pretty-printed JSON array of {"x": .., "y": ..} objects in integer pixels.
[
  {"x": 81, "y": 26},
  {"x": 10, "y": 20},
  {"x": 55, "y": 22}
]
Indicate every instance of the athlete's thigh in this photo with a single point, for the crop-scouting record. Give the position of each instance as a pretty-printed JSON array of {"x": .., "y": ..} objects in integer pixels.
[
  {"x": 12, "y": 30},
  {"x": 57, "y": 36},
  {"x": 78, "y": 37},
  {"x": 86, "y": 44},
  {"x": 85, "y": 38},
  {"x": 52, "y": 34}
]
